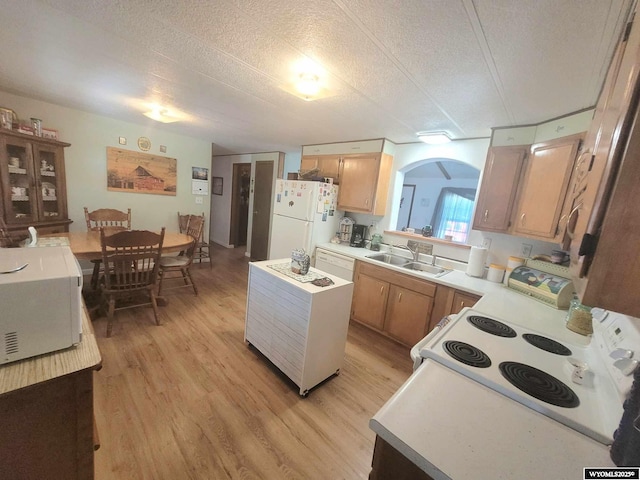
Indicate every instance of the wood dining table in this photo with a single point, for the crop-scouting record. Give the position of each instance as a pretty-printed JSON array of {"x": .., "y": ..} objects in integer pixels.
[{"x": 86, "y": 245}]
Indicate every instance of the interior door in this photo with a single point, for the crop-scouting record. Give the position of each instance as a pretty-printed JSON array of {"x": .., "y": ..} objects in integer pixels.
[
  {"x": 262, "y": 189},
  {"x": 406, "y": 205},
  {"x": 240, "y": 204}
]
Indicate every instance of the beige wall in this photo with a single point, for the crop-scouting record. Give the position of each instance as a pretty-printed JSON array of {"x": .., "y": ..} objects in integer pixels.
[{"x": 85, "y": 161}]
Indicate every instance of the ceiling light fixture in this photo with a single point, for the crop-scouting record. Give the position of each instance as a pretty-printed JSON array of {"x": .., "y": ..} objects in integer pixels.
[
  {"x": 162, "y": 114},
  {"x": 434, "y": 138},
  {"x": 308, "y": 84},
  {"x": 308, "y": 81}
]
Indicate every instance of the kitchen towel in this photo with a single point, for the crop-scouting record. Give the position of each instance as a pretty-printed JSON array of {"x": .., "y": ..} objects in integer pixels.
[{"x": 477, "y": 257}]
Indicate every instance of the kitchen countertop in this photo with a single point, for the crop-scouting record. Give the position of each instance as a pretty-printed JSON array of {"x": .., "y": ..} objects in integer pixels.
[
  {"x": 455, "y": 428},
  {"x": 464, "y": 430},
  {"x": 496, "y": 298}
]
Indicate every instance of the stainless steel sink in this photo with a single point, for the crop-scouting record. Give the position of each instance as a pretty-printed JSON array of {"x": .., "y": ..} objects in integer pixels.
[
  {"x": 424, "y": 267},
  {"x": 390, "y": 258}
]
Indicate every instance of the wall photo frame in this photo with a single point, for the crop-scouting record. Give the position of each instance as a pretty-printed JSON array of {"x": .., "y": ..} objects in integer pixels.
[{"x": 216, "y": 185}]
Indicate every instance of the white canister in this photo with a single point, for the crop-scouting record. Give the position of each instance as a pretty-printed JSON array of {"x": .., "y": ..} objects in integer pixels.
[
  {"x": 512, "y": 263},
  {"x": 495, "y": 273}
]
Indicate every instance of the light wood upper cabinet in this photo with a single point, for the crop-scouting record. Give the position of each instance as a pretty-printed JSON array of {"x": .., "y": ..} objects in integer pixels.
[
  {"x": 544, "y": 187},
  {"x": 327, "y": 165},
  {"x": 364, "y": 183},
  {"x": 499, "y": 186}
]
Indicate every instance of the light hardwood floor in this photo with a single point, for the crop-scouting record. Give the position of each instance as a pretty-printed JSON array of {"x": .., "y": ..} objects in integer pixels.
[{"x": 191, "y": 400}]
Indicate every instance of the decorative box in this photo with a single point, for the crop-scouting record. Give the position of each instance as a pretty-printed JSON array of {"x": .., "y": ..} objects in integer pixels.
[
  {"x": 300, "y": 262},
  {"x": 50, "y": 133}
]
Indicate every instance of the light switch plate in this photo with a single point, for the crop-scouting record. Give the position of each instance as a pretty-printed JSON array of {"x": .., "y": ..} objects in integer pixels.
[
  {"x": 122, "y": 140},
  {"x": 525, "y": 250},
  {"x": 198, "y": 200},
  {"x": 486, "y": 243}
]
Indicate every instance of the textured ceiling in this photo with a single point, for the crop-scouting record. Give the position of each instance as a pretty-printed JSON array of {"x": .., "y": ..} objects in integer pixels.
[{"x": 393, "y": 68}]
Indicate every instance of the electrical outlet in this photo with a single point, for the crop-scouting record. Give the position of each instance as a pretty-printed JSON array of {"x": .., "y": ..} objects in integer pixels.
[
  {"x": 525, "y": 250},
  {"x": 198, "y": 200},
  {"x": 486, "y": 243}
]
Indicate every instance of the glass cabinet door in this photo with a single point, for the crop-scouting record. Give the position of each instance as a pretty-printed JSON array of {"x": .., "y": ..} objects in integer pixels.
[
  {"x": 20, "y": 199},
  {"x": 49, "y": 172}
]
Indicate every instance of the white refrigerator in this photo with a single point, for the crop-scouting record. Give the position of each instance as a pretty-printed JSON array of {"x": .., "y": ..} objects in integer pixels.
[{"x": 304, "y": 215}]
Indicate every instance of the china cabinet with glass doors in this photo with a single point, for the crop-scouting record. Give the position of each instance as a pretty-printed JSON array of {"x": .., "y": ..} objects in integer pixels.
[{"x": 32, "y": 176}]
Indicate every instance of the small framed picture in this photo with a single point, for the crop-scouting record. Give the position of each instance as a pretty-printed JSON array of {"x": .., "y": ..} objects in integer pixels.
[{"x": 216, "y": 185}]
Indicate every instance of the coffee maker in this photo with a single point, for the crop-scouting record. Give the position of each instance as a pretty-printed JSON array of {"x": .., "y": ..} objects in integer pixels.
[{"x": 358, "y": 235}]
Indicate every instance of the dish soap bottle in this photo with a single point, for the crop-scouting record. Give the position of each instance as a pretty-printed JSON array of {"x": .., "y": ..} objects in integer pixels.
[{"x": 376, "y": 240}]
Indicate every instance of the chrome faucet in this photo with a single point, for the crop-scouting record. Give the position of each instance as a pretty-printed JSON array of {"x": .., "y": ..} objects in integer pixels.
[
  {"x": 433, "y": 260},
  {"x": 414, "y": 253}
]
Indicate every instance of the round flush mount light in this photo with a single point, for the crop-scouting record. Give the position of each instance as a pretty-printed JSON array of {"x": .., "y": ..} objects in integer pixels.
[{"x": 434, "y": 138}]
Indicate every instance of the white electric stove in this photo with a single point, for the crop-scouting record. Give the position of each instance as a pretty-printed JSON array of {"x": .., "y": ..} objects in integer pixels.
[{"x": 582, "y": 387}]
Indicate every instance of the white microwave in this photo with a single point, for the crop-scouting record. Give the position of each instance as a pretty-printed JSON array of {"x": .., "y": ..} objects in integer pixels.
[{"x": 40, "y": 303}]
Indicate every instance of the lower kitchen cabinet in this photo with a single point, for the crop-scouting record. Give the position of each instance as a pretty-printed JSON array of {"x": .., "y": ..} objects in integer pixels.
[
  {"x": 397, "y": 305},
  {"x": 389, "y": 464},
  {"x": 462, "y": 300},
  {"x": 299, "y": 327},
  {"x": 407, "y": 315},
  {"x": 46, "y": 406},
  {"x": 370, "y": 299}
]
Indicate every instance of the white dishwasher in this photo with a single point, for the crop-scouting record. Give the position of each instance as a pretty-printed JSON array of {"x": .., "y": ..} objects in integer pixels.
[{"x": 335, "y": 264}]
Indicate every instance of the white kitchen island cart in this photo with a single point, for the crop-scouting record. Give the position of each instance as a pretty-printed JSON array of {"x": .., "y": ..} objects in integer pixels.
[{"x": 300, "y": 327}]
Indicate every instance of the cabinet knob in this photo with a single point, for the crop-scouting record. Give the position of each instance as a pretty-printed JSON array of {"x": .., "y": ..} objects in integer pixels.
[
  {"x": 461, "y": 304},
  {"x": 399, "y": 297},
  {"x": 522, "y": 219},
  {"x": 486, "y": 215},
  {"x": 381, "y": 290}
]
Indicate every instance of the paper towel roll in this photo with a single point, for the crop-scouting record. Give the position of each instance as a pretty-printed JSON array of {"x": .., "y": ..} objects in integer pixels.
[{"x": 477, "y": 257}]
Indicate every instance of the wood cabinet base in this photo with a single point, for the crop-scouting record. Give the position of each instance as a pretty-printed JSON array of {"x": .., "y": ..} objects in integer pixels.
[
  {"x": 47, "y": 429},
  {"x": 389, "y": 464}
]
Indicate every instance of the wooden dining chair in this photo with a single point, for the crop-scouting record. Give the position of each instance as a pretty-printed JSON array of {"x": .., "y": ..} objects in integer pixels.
[
  {"x": 131, "y": 260},
  {"x": 203, "y": 249},
  {"x": 183, "y": 222},
  {"x": 6, "y": 241},
  {"x": 113, "y": 221},
  {"x": 177, "y": 267}
]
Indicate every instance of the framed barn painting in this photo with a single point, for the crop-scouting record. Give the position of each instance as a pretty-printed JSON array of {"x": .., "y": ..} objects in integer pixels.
[{"x": 136, "y": 172}]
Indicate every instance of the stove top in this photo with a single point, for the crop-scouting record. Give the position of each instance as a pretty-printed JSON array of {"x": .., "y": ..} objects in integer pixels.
[{"x": 569, "y": 383}]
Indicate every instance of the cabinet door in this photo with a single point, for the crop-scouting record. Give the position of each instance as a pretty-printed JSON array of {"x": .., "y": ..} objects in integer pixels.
[
  {"x": 462, "y": 300},
  {"x": 499, "y": 186},
  {"x": 369, "y": 300},
  {"x": 329, "y": 166},
  {"x": 408, "y": 314},
  {"x": 50, "y": 182},
  {"x": 545, "y": 186},
  {"x": 358, "y": 181},
  {"x": 19, "y": 191},
  {"x": 308, "y": 163}
]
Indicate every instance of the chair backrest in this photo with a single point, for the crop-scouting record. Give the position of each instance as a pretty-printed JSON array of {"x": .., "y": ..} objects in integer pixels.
[
  {"x": 131, "y": 258},
  {"x": 5, "y": 237},
  {"x": 183, "y": 222},
  {"x": 196, "y": 224},
  {"x": 112, "y": 219}
]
